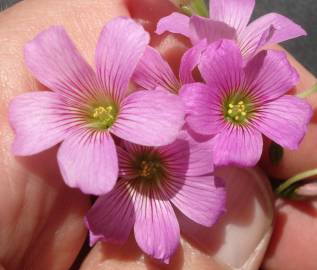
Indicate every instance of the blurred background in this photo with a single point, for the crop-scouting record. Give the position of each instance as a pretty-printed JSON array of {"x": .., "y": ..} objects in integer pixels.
[{"x": 303, "y": 12}]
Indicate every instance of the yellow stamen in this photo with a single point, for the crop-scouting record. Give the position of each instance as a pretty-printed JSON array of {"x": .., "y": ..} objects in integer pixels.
[
  {"x": 236, "y": 112},
  {"x": 148, "y": 168},
  {"x": 104, "y": 114}
]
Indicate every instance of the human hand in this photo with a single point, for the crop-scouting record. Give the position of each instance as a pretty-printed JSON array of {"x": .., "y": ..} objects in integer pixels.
[{"x": 41, "y": 219}]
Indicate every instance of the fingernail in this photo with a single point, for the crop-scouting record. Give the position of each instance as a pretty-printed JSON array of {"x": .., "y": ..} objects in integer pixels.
[
  {"x": 247, "y": 225},
  {"x": 241, "y": 236},
  {"x": 256, "y": 258}
]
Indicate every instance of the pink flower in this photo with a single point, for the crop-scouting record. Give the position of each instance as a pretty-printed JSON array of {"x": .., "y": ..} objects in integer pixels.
[
  {"x": 229, "y": 19},
  {"x": 153, "y": 180},
  {"x": 242, "y": 100},
  {"x": 85, "y": 108},
  {"x": 154, "y": 72}
]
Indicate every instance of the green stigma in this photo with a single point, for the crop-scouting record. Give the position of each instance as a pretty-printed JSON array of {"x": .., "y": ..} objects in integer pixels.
[
  {"x": 237, "y": 111},
  {"x": 103, "y": 117}
]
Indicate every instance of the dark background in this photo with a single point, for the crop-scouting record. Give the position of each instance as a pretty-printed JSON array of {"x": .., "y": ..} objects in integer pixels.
[{"x": 304, "y": 12}]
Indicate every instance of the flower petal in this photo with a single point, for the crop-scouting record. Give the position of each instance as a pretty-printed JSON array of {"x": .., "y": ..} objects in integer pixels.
[
  {"x": 190, "y": 185},
  {"x": 54, "y": 61},
  {"x": 285, "y": 120},
  {"x": 126, "y": 161},
  {"x": 38, "y": 121},
  {"x": 221, "y": 66},
  {"x": 176, "y": 23},
  {"x": 203, "y": 108},
  {"x": 263, "y": 80},
  {"x": 153, "y": 71},
  {"x": 240, "y": 146},
  {"x": 187, "y": 157},
  {"x": 112, "y": 216},
  {"x": 89, "y": 161},
  {"x": 156, "y": 228},
  {"x": 120, "y": 47},
  {"x": 201, "y": 198},
  {"x": 204, "y": 28},
  {"x": 189, "y": 62},
  {"x": 284, "y": 29},
  {"x": 151, "y": 118},
  {"x": 235, "y": 13}
]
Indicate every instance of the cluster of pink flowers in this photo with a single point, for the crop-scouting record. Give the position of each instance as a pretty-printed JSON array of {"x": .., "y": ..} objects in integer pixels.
[{"x": 140, "y": 148}]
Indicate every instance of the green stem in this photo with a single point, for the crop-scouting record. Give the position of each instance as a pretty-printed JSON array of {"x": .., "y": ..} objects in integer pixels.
[
  {"x": 308, "y": 92},
  {"x": 195, "y": 7},
  {"x": 282, "y": 189}
]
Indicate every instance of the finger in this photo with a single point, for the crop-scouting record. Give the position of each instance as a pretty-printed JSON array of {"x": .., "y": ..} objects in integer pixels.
[
  {"x": 41, "y": 220},
  {"x": 295, "y": 221},
  {"x": 294, "y": 240},
  {"x": 148, "y": 13},
  {"x": 238, "y": 241}
]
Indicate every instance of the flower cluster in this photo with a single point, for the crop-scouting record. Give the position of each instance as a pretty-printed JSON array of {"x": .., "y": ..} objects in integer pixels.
[{"x": 149, "y": 151}]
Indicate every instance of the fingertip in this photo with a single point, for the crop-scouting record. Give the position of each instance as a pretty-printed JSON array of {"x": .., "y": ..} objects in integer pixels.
[
  {"x": 294, "y": 239},
  {"x": 149, "y": 12}
]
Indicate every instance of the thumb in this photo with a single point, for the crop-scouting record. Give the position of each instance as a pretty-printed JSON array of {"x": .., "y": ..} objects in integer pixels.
[{"x": 238, "y": 241}]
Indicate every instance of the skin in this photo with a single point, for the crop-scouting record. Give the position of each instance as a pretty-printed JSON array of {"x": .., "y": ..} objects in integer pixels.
[{"x": 41, "y": 223}]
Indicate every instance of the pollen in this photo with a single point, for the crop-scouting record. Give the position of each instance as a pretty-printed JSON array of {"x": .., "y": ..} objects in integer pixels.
[
  {"x": 148, "y": 168},
  {"x": 236, "y": 112},
  {"x": 104, "y": 116}
]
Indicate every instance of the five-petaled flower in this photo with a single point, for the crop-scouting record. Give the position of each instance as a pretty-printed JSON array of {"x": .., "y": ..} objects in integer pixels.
[
  {"x": 152, "y": 181},
  {"x": 84, "y": 108},
  {"x": 241, "y": 100},
  {"x": 229, "y": 20}
]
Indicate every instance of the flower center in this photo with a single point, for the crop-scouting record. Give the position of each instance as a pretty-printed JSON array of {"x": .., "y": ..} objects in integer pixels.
[
  {"x": 103, "y": 117},
  {"x": 104, "y": 114},
  {"x": 149, "y": 168},
  {"x": 238, "y": 110}
]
